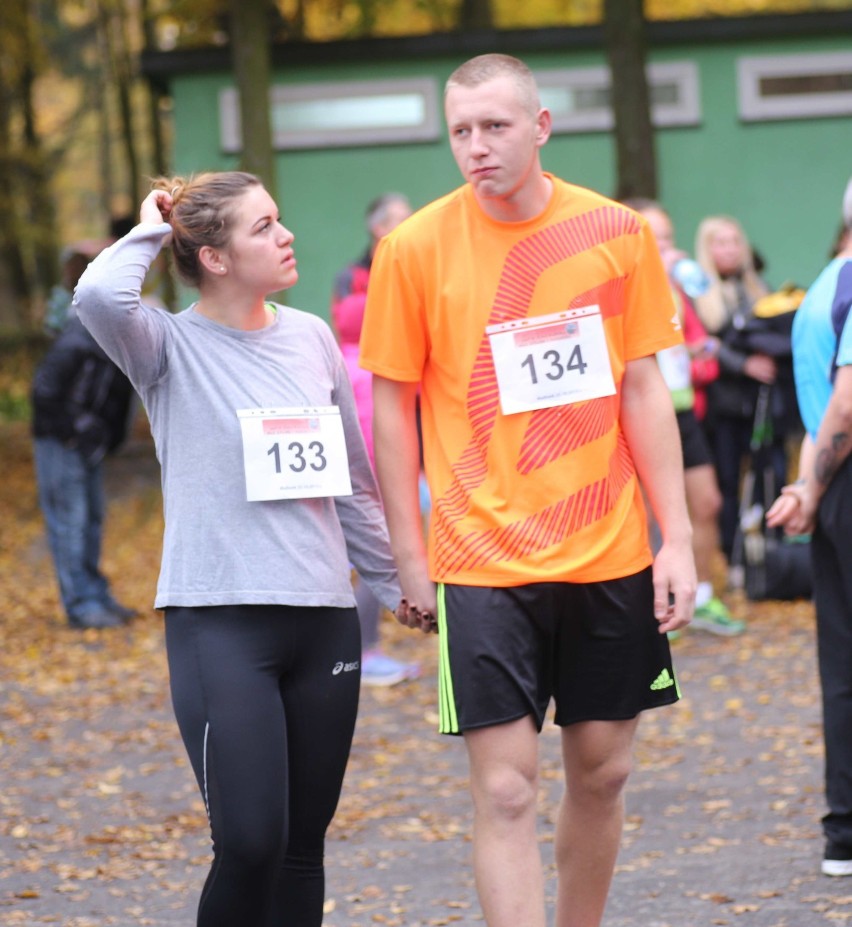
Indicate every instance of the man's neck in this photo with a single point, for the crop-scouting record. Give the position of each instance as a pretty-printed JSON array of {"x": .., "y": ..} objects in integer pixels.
[{"x": 525, "y": 205}]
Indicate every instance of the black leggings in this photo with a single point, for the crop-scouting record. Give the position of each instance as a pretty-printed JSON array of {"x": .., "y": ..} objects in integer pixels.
[{"x": 266, "y": 698}]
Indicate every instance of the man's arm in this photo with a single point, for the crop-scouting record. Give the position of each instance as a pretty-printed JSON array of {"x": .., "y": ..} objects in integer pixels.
[
  {"x": 650, "y": 427},
  {"x": 796, "y": 509},
  {"x": 397, "y": 452}
]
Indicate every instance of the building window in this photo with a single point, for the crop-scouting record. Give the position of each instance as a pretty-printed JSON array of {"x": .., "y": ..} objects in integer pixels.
[
  {"x": 579, "y": 98},
  {"x": 795, "y": 86},
  {"x": 341, "y": 114}
]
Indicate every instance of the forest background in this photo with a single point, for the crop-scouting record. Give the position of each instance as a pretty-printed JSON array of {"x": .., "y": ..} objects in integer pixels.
[{"x": 81, "y": 129}]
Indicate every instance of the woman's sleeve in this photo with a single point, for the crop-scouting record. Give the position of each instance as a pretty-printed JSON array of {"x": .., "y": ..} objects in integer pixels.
[
  {"x": 361, "y": 514},
  {"x": 108, "y": 301}
]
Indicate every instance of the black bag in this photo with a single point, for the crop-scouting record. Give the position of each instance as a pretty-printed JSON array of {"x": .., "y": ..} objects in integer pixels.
[{"x": 777, "y": 568}]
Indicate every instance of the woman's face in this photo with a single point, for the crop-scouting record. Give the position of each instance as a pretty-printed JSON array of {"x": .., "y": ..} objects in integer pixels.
[
  {"x": 260, "y": 250},
  {"x": 727, "y": 250}
]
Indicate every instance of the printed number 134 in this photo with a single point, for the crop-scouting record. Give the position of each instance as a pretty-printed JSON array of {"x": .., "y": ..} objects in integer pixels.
[{"x": 556, "y": 367}]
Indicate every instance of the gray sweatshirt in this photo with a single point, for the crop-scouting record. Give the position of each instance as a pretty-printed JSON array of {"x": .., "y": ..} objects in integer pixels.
[{"x": 193, "y": 375}]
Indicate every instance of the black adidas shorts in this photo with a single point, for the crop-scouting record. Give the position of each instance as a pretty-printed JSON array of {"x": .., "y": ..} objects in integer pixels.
[{"x": 595, "y": 648}]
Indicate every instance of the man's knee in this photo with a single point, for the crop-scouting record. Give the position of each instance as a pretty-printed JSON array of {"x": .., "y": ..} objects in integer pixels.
[
  {"x": 599, "y": 760},
  {"x": 602, "y": 782},
  {"x": 506, "y": 792},
  {"x": 504, "y": 769}
]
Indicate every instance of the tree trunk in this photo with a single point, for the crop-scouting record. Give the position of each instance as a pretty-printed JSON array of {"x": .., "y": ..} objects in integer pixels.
[
  {"x": 100, "y": 97},
  {"x": 42, "y": 211},
  {"x": 28, "y": 223},
  {"x": 118, "y": 71},
  {"x": 124, "y": 76},
  {"x": 475, "y": 14},
  {"x": 158, "y": 144},
  {"x": 250, "y": 56},
  {"x": 11, "y": 237},
  {"x": 155, "y": 94},
  {"x": 624, "y": 36},
  {"x": 11, "y": 253}
]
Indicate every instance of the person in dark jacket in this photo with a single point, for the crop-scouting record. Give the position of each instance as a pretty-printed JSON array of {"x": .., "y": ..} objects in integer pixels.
[{"x": 81, "y": 404}]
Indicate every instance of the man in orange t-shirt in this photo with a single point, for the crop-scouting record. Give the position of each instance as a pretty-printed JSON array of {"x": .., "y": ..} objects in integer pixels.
[{"x": 529, "y": 312}]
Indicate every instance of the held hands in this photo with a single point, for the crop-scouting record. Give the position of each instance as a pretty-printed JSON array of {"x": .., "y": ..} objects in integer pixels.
[
  {"x": 418, "y": 607},
  {"x": 411, "y": 616}
]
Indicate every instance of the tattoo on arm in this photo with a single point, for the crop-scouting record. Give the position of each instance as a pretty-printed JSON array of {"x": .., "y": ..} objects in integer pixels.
[{"x": 827, "y": 459}]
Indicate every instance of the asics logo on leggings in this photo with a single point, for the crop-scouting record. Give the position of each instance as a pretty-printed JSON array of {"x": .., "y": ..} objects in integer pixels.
[{"x": 341, "y": 667}]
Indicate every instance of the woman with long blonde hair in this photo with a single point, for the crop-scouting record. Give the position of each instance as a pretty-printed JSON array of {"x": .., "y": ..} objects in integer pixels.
[
  {"x": 724, "y": 252},
  {"x": 727, "y": 312}
]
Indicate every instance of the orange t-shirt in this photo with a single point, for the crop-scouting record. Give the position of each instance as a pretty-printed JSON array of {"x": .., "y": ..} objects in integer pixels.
[{"x": 535, "y": 496}]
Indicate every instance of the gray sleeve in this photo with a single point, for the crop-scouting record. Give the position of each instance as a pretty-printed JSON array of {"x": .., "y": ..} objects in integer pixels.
[
  {"x": 109, "y": 303},
  {"x": 361, "y": 514}
]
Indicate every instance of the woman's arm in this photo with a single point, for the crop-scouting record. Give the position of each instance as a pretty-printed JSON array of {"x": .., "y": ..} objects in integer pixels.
[{"x": 108, "y": 299}]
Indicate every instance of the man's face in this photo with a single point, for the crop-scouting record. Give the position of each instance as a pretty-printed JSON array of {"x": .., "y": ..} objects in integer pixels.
[{"x": 495, "y": 138}]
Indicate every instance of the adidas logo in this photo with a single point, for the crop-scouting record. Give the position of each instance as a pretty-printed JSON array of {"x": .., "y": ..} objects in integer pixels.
[{"x": 663, "y": 681}]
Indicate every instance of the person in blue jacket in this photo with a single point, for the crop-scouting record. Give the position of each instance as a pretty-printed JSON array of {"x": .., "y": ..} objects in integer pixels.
[{"x": 820, "y": 503}]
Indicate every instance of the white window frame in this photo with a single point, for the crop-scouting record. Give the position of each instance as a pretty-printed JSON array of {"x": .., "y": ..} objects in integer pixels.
[
  {"x": 426, "y": 128},
  {"x": 685, "y": 112},
  {"x": 755, "y": 107}
]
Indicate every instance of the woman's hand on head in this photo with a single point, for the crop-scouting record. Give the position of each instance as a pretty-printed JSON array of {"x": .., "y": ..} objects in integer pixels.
[{"x": 156, "y": 207}]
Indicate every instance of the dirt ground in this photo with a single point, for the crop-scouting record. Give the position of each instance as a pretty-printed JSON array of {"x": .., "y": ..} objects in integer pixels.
[{"x": 101, "y": 824}]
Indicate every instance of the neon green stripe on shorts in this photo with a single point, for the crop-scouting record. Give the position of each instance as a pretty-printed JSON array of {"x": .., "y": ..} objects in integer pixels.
[{"x": 448, "y": 722}]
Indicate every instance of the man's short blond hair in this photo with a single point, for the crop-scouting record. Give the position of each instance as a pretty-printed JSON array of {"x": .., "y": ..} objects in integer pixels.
[{"x": 484, "y": 68}]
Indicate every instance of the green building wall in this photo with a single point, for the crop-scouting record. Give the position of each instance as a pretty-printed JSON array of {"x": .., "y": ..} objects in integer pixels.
[{"x": 783, "y": 180}]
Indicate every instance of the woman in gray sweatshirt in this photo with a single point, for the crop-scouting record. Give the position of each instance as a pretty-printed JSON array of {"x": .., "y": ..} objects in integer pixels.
[{"x": 268, "y": 496}]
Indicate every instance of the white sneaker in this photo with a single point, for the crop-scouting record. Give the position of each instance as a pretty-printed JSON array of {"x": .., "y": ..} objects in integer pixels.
[
  {"x": 380, "y": 670},
  {"x": 837, "y": 867}
]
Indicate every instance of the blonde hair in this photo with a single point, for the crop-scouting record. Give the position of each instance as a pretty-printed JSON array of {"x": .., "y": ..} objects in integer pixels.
[
  {"x": 483, "y": 68},
  {"x": 202, "y": 214},
  {"x": 715, "y": 308}
]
